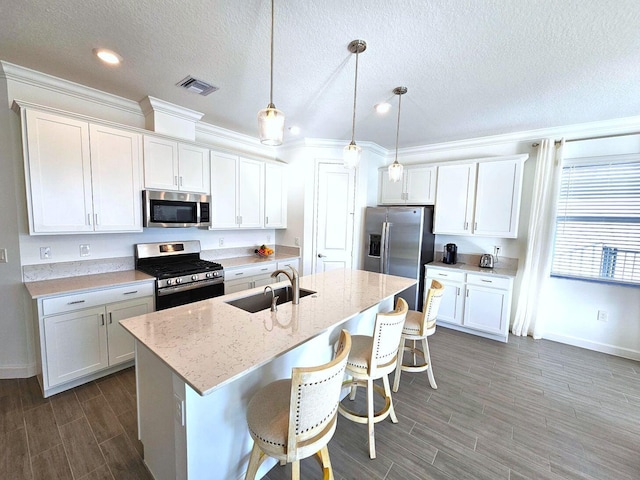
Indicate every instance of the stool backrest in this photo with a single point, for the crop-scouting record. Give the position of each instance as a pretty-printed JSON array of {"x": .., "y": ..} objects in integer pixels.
[
  {"x": 315, "y": 393},
  {"x": 386, "y": 339},
  {"x": 431, "y": 305}
]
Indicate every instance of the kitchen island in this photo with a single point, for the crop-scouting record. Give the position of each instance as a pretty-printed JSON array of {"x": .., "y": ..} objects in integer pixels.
[{"x": 199, "y": 364}]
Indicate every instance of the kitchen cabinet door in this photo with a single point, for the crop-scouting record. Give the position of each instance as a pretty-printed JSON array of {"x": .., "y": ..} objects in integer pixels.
[
  {"x": 250, "y": 193},
  {"x": 193, "y": 169},
  {"x": 391, "y": 193},
  {"x": 420, "y": 185},
  {"x": 486, "y": 309},
  {"x": 275, "y": 196},
  {"x": 224, "y": 182},
  {"x": 120, "y": 342},
  {"x": 160, "y": 163},
  {"x": 455, "y": 199},
  {"x": 497, "y": 206},
  {"x": 76, "y": 344},
  {"x": 116, "y": 179},
  {"x": 58, "y": 169}
]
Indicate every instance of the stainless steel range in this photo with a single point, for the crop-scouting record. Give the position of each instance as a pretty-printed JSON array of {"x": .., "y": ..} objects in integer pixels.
[{"x": 181, "y": 276}]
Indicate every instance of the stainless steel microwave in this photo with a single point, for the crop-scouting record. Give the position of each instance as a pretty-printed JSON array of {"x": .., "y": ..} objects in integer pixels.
[{"x": 175, "y": 209}]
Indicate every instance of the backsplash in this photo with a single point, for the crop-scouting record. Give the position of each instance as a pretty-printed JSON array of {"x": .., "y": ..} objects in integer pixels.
[{"x": 472, "y": 259}]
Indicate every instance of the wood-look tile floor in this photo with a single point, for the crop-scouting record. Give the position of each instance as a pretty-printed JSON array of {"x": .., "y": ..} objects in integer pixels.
[
  {"x": 523, "y": 410},
  {"x": 87, "y": 433}
]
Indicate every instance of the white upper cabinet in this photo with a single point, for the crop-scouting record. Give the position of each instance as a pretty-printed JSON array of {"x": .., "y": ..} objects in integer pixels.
[
  {"x": 238, "y": 184},
  {"x": 169, "y": 165},
  {"x": 80, "y": 177},
  {"x": 275, "y": 196},
  {"x": 454, "y": 199},
  {"x": 480, "y": 198},
  {"x": 417, "y": 186}
]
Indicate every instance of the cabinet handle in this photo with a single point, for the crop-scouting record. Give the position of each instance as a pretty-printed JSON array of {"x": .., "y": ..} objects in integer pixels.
[
  {"x": 486, "y": 281},
  {"x": 240, "y": 219},
  {"x": 466, "y": 225},
  {"x": 475, "y": 225},
  {"x": 110, "y": 318},
  {"x": 96, "y": 222},
  {"x": 264, "y": 269},
  {"x": 266, "y": 221},
  {"x": 458, "y": 291},
  {"x": 467, "y": 293},
  {"x": 75, "y": 302},
  {"x": 88, "y": 218},
  {"x": 238, "y": 274},
  {"x": 180, "y": 180},
  {"x": 131, "y": 292},
  {"x": 175, "y": 180},
  {"x": 443, "y": 274},
  {"x": 102, "y": 319}
]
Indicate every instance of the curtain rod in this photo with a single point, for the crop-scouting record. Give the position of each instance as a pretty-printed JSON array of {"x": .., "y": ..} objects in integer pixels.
[{"x": 557, "y": 142}]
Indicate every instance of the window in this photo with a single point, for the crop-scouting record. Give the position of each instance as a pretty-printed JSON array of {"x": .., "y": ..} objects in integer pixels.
[{"x": 598, "y": 220}]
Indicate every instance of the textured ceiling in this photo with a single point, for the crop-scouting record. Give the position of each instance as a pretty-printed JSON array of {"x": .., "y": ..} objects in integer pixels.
[{"x": 472, "y": 67}]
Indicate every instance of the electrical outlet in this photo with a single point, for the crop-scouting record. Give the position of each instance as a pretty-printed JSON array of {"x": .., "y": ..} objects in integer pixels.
[
  {"x": 45, "y": 253},
  {"x": 179, "y": 411},
  {"x": 496, "y": 251},
  {"x": 221, "y": 242},
  {"x": 3, "y": 255},
  {"x": 603, "y": 316},
  {"x": 297, "y": 241},
  {"x": 85, "y": 250},
  {"x": 268, "y": 238}
]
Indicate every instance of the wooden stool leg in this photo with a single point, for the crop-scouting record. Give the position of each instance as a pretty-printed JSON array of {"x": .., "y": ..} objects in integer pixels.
[
  {"x": 255, "y": 460},
  {"x": 427, "y": 358},
  {"x": 387, "y": 392},
  {"x": 396, "y": 379},
  {"x": 295, "y": 470},
  {"x": 370, "y": 423},
  {"x": 325, "y": 463}
]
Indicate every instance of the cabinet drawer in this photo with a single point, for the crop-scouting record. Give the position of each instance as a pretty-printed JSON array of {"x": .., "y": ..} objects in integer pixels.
[
  {"x": 78, "y": 301},
  {"x": 450, "y": 275},
  {"x": 489, "y": 281},
  {"x": 238, "y": 273}
]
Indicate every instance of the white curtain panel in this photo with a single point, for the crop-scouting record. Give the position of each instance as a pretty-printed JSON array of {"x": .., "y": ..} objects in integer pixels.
[{"x": 537, "y": 264}]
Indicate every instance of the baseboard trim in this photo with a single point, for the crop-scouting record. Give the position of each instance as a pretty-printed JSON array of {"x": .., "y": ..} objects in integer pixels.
[
  {"x": 18, "y": 371},
  {"x": 590, "y": 345}
]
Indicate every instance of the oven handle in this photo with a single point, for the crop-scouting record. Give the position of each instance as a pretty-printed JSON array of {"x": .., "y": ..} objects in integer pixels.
[{"x": 189, "y": 286}]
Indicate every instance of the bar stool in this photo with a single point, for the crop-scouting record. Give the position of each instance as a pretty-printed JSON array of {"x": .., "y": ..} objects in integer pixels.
[
  {"x": 372, "y": 358},
  {"x": 292, "y": 419},
  {"x": 417, "y": 327}
]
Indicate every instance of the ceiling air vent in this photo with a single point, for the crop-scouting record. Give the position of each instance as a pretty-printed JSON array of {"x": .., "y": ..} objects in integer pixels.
[{"x": 196, "y": 86}]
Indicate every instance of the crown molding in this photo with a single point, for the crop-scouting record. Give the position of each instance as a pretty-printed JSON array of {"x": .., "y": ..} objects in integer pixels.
[
  {"x": 34, "y": 78},
  {"x": 151, "y": 105},
  {"x": 233, "y": 141}
]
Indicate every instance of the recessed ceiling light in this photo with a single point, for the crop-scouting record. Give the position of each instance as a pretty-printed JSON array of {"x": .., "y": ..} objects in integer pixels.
[
  {"x": 294, "y": 130},
  {"x": 108, "y": 56},
  {"x": 382, "y": 108}
]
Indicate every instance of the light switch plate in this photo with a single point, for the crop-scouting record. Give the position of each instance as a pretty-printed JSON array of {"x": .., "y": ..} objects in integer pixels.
[
  {"x": 85, "y": 250},
  {"x": 45, "y": 253},
  {"x": 3, "y": 255}
]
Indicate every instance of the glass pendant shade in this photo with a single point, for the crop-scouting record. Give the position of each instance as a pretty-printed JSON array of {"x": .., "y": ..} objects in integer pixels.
[
  {"x": 395, "y": 171},
  {"x": 351, "y": 155},
  {"x": 271, "y": 125}
]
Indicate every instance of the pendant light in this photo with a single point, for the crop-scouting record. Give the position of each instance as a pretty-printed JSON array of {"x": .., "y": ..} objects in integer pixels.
[
  {"x": 351, "y": 153},
  {"x": 270, "y": 119},
  {"x": 395, "y": 169}
]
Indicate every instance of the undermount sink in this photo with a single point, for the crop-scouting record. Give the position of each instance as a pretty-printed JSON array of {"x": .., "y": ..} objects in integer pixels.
[{"x": 259, "y": 301}]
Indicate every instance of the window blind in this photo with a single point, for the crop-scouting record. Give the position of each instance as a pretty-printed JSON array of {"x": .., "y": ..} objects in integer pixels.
[{"x": 598, "y": 221}]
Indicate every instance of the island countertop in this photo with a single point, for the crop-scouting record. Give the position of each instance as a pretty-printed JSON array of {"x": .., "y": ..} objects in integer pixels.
[{"x": 210, "y": 343}]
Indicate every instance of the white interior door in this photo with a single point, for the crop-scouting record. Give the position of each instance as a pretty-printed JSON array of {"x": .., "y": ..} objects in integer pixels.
[{"x": 334, "y": 220}]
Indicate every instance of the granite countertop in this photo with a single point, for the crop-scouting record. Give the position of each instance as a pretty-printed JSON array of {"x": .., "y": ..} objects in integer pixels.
[
  {"x": 205, "y": 343},
  {"x": 507, "y": 271},
  {"x": 57, "y": 286},
  {"x": 246, "y": 261}
]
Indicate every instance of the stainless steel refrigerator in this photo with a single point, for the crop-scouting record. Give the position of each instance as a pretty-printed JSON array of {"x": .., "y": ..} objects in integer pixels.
[{"x": 398, "y": 241}]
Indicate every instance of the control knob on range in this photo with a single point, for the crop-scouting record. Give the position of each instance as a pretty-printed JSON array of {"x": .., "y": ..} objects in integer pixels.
[
  {"x": 209, "y": 275},
  {"x": 169, "y": 282},
  {"x": 178, "y": 280},
  {"x": 194, "y": 277}
]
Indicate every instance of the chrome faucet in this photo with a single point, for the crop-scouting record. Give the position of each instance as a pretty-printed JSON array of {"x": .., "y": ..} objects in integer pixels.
[
  {"x": 293, "y": 278},
  {"x": 274, "y": 298}
]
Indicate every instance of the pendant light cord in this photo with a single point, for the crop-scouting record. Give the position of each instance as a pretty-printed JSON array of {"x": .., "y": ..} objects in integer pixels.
[
  {"x": 271, "y": 74},
  {"x": 355, "y": 92},
  {"x": 398, "y": 127}
]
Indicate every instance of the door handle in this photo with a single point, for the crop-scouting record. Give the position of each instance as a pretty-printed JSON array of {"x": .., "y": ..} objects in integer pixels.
[{"x": 320, "y": 255}]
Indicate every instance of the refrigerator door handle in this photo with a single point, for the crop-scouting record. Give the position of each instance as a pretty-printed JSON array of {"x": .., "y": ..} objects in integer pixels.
[{"x": 384, "y": 258}]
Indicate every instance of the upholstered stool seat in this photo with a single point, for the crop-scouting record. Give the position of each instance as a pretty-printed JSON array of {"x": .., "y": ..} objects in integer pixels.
[
  {"x": 292, "y": 419},
  {"x": 417, "y": 327},
  {"x": 372, "y": 358}
]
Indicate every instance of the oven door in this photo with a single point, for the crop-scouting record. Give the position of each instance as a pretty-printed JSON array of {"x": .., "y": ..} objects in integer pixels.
[{"x": 173, "y": 297}]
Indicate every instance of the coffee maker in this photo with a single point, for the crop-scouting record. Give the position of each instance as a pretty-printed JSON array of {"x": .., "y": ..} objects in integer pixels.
[{"x": 450, "y": 255}]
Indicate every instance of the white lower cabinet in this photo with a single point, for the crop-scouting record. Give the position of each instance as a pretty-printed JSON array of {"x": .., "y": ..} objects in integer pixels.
[
  {"x": 80, "y": 335},
  {"x": 474, "y": 302},
  {"x": 244, "y": 278}
]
